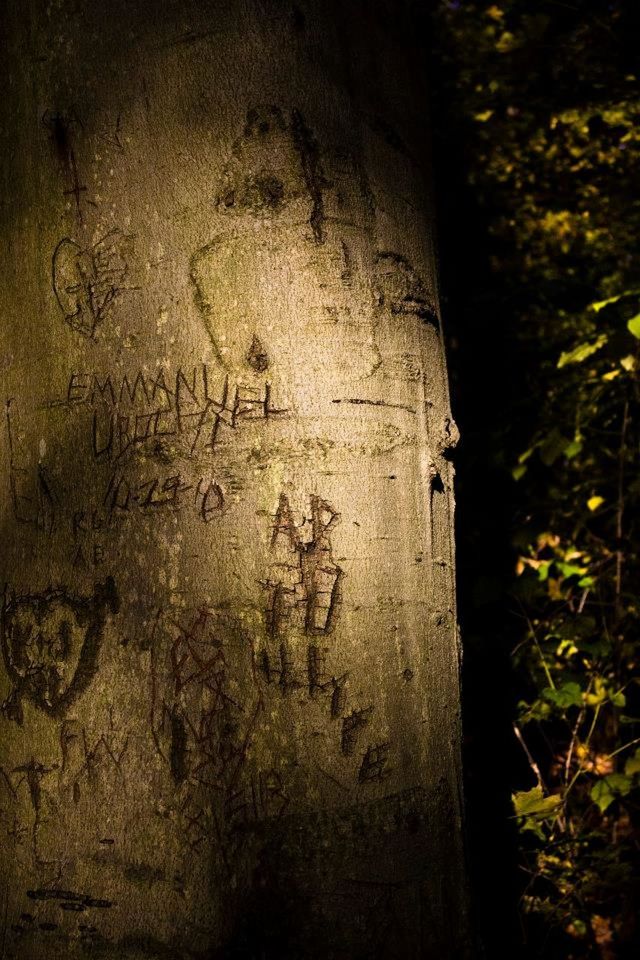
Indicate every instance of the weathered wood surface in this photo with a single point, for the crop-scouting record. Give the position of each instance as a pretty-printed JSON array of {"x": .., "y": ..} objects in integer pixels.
[{"x": 229, "y": 678}]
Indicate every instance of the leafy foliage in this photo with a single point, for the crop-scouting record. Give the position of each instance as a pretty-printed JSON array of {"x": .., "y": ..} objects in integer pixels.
[{"x": 546, "y": 97}]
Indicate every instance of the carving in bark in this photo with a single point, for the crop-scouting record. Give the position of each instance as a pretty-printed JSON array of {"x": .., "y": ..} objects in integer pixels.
[{"x": 226, "y": 406}]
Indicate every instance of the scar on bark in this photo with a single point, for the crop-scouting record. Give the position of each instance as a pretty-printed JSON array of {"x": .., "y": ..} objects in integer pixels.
[
  {"x": 60, "y": 125},
  {"x": 402, "y": 290},
  {"x": 309, "y": 154},
  {"x": 257, "y": 356},
  {"x": 275, "y": 161}
]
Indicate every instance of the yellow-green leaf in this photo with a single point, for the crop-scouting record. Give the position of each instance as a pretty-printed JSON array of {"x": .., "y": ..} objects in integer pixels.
[
  {"x": 605, "y": 791},
  {"x": 532, "y": 803},
  {"x": 581, "y": 352},
  {"x": 574, "y": 448},
  {"x": 506, "y": 42},
  {"x": 599, "y": 304},
  {"x": 602, "y": 795},
  {"x": 632, "y": 766},
  {"x": 633, "y": 325}
]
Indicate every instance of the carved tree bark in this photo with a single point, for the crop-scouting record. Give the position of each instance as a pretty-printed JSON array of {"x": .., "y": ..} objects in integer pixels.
[{"x": 229, "y": 681}]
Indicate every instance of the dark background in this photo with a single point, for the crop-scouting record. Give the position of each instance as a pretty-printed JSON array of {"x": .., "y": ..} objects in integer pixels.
[{"x": 500, "y": 375}]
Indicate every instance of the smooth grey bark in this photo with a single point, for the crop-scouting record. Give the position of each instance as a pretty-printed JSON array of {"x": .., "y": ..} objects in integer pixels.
[{"x": 229, "y": 680}]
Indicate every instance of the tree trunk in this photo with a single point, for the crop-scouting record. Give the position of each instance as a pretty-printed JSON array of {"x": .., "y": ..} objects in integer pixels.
[{"x": 229, "y": 684}]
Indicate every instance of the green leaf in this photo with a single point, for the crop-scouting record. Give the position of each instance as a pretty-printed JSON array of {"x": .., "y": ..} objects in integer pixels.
[
  {"x": 602, "y": 795},
  {"x": 582, "y": 352},
  {"x": 579, "y": 627},
  {"x": 567, "y": 695},
  {"x": 527, "y": 453},
  {"x": 570, "y": 569},
  {"x": 538, "y": 710},
  {"x": 533, "y": 809},
  {"x": 554, "y": 446},
  {"x": 619, "y": 783},
  {"x": 543, "y": 570},
  {"x": 566, "y": 648},
  {"x": 573, "y": 449},
  {"x": 506, "y": 42},
  {"x": 602, "y": 692},
  {"x": 633, "y": 325},
  {"x": 618, "y": 699},
  {"x": 605, "y": 791},
  {"x": 533, "y": 803},
  {"x": 632, "y": 766}
]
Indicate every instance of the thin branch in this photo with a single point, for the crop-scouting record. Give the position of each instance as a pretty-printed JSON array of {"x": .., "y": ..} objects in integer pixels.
[
  {"x": 532, "y": 763},
  {"x": 620, "y": 509}
]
